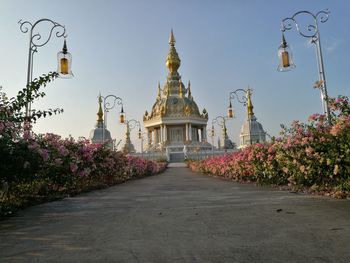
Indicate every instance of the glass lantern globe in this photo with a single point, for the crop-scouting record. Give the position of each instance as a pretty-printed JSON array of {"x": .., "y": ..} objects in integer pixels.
[
  {"x": 230, "y": 111},
  {"x": 212, "y": 132},
  {"x": 140, "y": 133},
  {"x": 285, "y": 57},
  {"x": 64, "y": 63},
  {"x": 122, "y": 116}
]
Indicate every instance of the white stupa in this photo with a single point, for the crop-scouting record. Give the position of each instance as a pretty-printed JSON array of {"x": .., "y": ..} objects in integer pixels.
[
  {"x": 100, "y": 134},
  {"x": 252, "y": 131}
]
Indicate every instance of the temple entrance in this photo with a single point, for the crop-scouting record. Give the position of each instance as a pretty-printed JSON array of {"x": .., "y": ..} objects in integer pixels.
[{"x": 176, "y": 135}]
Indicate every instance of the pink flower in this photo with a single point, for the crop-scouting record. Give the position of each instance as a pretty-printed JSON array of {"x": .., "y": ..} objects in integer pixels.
[{"x": 73, "y": 167}]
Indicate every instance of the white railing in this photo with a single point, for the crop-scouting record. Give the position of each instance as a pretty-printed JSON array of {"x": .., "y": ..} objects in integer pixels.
[{"x": 191, "y": 153}]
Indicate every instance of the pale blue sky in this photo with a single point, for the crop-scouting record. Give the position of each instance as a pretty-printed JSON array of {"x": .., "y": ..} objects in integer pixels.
[{"x": 119, "y": 47}]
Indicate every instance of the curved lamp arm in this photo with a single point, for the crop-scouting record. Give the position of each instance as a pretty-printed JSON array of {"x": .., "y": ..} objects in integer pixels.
[
  {"x": 35, "y": 40},
  {"x": 220, "y": 120},
  {"x": 311, "y": 29},
  {"x": 240, "y": 95}
]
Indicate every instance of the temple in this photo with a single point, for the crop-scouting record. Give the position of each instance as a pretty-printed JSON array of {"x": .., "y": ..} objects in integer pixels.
[{"x": 175, "y": 120}]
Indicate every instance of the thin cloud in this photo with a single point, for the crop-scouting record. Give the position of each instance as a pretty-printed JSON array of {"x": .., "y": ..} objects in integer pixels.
[{"x": 331, "y": 44}]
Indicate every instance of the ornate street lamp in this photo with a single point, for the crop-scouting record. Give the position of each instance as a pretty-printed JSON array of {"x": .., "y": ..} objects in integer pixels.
[
  {"x": 243, "y": 97},
  {"x": 36, "y": 41},
  {"x": 107, "y": 106},
  {"x": 312, "y": 32},
  {"x": 132, "y": 124}
]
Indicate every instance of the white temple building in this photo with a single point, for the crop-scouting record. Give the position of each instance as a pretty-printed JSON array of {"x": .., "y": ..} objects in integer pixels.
[{"x": 175, "y": 122}]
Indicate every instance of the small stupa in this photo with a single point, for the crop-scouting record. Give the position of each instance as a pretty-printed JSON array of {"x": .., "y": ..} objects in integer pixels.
[
  {"x": 100, "y": 134},
  {"x": 252, "y": 131}
]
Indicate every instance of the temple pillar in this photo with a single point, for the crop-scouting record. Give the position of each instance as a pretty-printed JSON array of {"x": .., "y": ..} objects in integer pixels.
[
  {"x": 148, "y": 137},
  {"x": 204, "y": 134},
  {"x": 190, "y": 132},
  {"x": 157, "y": 135},
  {"x": 165, "y": 133},
  {"x": 161, "y": 134},
  {"x": 187, "y": 137},
  {"x": 154, "y": 137}
]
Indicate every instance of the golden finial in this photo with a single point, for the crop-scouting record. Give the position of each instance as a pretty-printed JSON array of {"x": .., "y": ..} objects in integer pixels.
[
  {"x": 249, "y": 103},
  {"x": 158, "y": 95},
  {"x": 172, "y": 40},
  {"x": 189, "y": 91},
  {"x": 172, "y": 60},
  {"x": 100, "y": 112},
  {"x": 180, "y": 88}
]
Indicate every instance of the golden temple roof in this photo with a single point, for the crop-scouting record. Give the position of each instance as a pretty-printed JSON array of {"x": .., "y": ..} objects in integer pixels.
[{"x": 174, "y": 100}]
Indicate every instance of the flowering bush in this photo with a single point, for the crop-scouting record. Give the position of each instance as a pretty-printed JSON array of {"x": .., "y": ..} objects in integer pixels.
[
  {"x": 315, "y": 155},
  {"x": 40, "y": 167}
]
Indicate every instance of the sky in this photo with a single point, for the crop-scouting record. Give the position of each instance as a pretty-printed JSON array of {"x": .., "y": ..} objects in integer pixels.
[{"x": 119, "y": 47}]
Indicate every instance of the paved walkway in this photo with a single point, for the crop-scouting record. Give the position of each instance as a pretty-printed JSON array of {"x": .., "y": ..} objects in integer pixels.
[{"x": 180, "y": 217}]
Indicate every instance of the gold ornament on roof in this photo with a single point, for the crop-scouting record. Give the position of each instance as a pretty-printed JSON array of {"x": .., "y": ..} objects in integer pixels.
[
  {"x": 188, "y": 110},
  {"x": 159, "y": 93},
  {"x": 180, "y": 89},
  {"x": 100, "y": 112},
  {"x": 162, "y": 112},
  {"x": 249, "y": 103},
  {"x": 172, "y": 60},
  {"x": 189, "y": 91}
]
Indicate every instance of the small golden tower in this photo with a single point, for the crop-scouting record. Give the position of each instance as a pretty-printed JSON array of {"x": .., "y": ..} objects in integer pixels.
[
  {"x": 100, "y": 112},
  {"x": 249, "y": 104}
]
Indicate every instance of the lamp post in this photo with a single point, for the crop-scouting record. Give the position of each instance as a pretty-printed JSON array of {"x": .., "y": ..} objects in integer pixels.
[
  {"x": 140, "y": 135},
  {"x": 243, "y": 97},
  {"x": 36, "y": 41},
  {"x": 221, "y": 121},
  {"x": 212, "y": 134},
  {"x": 312, "y": 32},
  {"x": 107, "y": 106},
  {"x": 130, "y": 125}
]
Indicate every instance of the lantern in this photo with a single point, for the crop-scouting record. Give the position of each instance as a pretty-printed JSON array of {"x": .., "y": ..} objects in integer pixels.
[
  {"x": 285, "y": 56},
  {"x": 64, "y": 62},
  {"x": 122, "y": 116},
  {"x": 230, "y": 111}
]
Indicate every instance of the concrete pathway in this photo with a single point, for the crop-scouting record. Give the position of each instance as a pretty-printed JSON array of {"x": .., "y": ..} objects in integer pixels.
[{"x": 180, "y": 216}]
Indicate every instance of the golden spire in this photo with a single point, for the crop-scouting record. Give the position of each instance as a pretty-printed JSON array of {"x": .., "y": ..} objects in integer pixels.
[
  {"x": 172, "y": 60},
  {"x": 158, "y": 95},
  {"x": 249, "y": 103},
  {"x": 172, "y": 40},
  {"x": 180, "y": 88},
  {"x": 100, "y": 112},
  {"x": 189, "y": 91}
]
